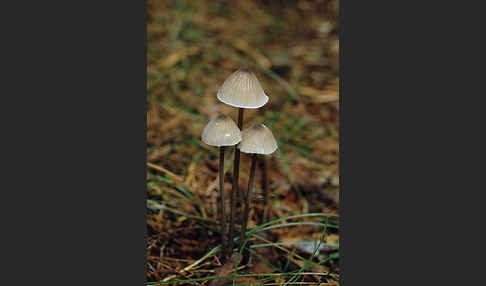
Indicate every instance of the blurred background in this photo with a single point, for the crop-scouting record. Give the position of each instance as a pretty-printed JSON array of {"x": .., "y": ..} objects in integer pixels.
[{"x": 192, "y": 46}]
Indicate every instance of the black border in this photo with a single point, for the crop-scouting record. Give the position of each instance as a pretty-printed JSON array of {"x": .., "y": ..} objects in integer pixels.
[
  {"x": 73, "y": 188},
  {"x": 405, "y": 150}
]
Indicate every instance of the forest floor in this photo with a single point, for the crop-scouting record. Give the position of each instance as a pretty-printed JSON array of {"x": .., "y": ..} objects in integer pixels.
[{"x": 292, "y": 46}]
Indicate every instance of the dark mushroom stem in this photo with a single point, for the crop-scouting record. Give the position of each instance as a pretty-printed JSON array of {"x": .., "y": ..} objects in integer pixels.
[
  {"x": 248, "y": 199},
  {"x": 235, "y": 188},
  {"x": 222, "y": 211}
]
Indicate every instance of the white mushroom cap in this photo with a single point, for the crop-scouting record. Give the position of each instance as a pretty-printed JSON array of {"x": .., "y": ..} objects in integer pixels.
[
  {"x": 242, "y": 89},
  {"x": 257, "y": 139},
  {"x": 221, "y": 131}
]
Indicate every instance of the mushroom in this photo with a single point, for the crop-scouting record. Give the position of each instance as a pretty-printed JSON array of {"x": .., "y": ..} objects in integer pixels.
[
  {"x": 241, "y": 89},
  {"x": 221, "y": 131},
  {"x": 257, "y": 139}
]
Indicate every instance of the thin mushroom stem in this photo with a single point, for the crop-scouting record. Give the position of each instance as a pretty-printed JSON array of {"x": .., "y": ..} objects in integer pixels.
[
  {"x": 248, "y": 199},
  {"x": 222, "y": 210},
  {"x": 235, "y": 187},
  {"x": 240, "y": 117}
]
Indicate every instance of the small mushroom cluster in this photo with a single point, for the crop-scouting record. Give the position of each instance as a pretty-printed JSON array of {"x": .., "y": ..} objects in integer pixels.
[{"x": 242, "y": 90}]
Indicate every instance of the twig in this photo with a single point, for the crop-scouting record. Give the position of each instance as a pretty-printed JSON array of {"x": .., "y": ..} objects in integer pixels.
[
  {"x": 164, "y": 170},
  {"x": 189, "y": 267},
  {"x": 159, "y": 206}
]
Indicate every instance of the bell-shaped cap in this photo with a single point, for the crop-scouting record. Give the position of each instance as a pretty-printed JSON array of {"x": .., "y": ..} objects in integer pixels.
[
  {"x": 221, "y": 131},
  {"x": 242, "y": 89},
  {"x": 257, "y": 139}
]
